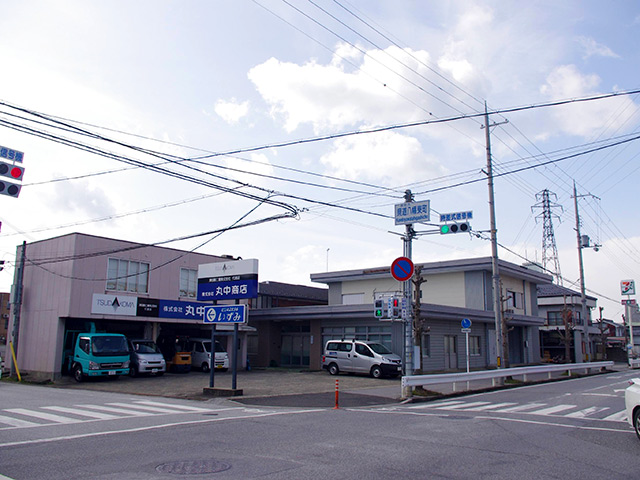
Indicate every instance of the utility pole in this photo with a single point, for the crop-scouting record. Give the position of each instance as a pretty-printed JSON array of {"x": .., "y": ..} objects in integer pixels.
[
  {"x": 406, "y": 293},
  {"x": 583, "y": 296},
  {"x": 17, "y": 305},
  {"x": 497, "y": 307}
]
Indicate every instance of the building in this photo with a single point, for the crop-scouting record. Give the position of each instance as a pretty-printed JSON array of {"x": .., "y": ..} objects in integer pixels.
[
  {"x": 453, "y": 290},
  {"x": 4, "y": 316},
  {"x": 76, "y": 281},
  {"x": 559, "y": 304}
]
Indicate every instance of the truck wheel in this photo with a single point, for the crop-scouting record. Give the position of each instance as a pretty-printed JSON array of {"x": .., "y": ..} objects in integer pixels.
[
  {"x": 77, "y": 374},
  {"x": 132, "y": 371},
  {"x": 333, "y": 369},
  {"x": 376, "y": 371},
  {"x": 205, "y": 367}
]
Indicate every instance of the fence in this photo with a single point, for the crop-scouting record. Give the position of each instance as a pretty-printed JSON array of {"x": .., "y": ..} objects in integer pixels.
[{"x": 524, "y": 372}]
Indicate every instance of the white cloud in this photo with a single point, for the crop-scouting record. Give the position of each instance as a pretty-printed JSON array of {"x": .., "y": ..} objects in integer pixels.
[
  {"x": 592, "y": 48},
  {"x": 81, "y": 197},
  {"x": 385, "y": 155},
  {"x": 231, "y": 111},
  {"x": 588, "y": 118}
]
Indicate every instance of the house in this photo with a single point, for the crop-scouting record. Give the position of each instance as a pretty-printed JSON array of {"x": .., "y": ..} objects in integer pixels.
[
  {"x": 558, "y": 304},
  {"x": 454, "y": 290}
]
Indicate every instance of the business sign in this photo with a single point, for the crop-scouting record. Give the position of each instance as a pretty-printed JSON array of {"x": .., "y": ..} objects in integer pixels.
[
  {"x": 412, "y": 212},
  {"x": 228, "y": 280},
  {"x": 114, "y": 305},
  {"x": 224, "y": 314},
  {"x": 628, "y": 287},
  {"x": 10, "y": 154}
]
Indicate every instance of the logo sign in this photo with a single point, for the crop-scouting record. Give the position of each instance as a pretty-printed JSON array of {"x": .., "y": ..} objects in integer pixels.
[
  {"x": 402, "y": 269},
  {"x": 228, "y": 280},
  {"x": 456, "y": 217},
  {"x": 114, "y": 305},
  {"x": 465, "y": 323},
  {"x": 412, "y": 212},
  {"x": 631, "y": 301},
  {"x": 225, "y": 314},
  {"x": 628, "y": 287}
]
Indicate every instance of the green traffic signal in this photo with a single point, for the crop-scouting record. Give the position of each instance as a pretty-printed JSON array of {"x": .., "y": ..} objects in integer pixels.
[
  {"x": 444, "y": 229},
  {"x": 378, "y": 313}
]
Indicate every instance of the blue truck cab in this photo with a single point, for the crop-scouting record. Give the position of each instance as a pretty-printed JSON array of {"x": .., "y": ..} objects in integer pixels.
[{"x": 99, "y": 354}]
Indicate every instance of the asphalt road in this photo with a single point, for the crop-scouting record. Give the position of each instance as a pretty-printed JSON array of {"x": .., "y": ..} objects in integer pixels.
[{"x": 569, "y": 429}]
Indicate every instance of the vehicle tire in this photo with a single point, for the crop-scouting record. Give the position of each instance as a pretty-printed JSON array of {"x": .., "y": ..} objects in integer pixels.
[
  {"x": 333, "y": 369},
  {"x": 159, "y": 374},
  {"x": 224, "y": 369},
  {"x": 636, "y": 421},
  {"x": 205, "y": 367},
  {"x": 376, "y": 371},
  {"x": 77, "y": 373},
  {"x": 132, "y": 371}
]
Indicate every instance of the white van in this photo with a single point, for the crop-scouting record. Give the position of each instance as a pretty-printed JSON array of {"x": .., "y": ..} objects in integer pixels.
[
  {"x": 356, "y": 356},
  {"x": 201, "y": 355}
]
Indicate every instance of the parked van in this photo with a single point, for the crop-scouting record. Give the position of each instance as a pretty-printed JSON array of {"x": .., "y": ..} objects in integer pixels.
[
  {"x": 356, "y": 356},
  {"x": 201, "y": 355},
  {"x": 146, "y": 358}
]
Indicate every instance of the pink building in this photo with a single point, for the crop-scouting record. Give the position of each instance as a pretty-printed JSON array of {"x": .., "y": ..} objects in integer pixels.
[{"x": 73, "y": 281}]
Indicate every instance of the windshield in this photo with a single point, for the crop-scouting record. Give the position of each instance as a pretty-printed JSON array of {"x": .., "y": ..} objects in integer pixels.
[
  {"x": 207, "y": 347},
  {"x": 109, "y": 345},
  {"x": 379, "y": 348},
  {"x": 145, "y": 347}
]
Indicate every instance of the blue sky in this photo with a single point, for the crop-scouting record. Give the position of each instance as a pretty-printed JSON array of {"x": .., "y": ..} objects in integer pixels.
[{"x": 197, "y": 78}]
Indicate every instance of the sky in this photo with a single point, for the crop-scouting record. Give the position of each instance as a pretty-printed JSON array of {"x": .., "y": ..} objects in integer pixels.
[{"x": 287, "y": 130}]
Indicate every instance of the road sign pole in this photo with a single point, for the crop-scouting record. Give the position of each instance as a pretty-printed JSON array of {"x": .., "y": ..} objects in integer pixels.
[
  {"x": 467, "y": 339},
  {"x": 213, "y": 356}
]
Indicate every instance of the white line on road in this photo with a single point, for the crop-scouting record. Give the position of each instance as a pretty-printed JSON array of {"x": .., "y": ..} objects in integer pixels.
[
  {"x": 82, "y": 413},
  {"x": 464, "y": 405},
  {"x": 42, "y": 415},
  {"x": 552, "y": 410},
  {"x": 489, "y": 407},
  {"x": 586, "y": 412},
  {"x": 14, "y": 422},
  {"x": 552, "y": 424},
  {"x": 122, "y": 411},
  {"x": 520, "y": 408},
  {"x": 617, "y": 417}
]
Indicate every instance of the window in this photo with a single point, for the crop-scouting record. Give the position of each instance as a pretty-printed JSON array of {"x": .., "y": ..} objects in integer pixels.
[
  {"x": 379, "y": 334},
  {"x": 353, "y": 298},
  {"x": 474, "y": 345},
  {"x": 515, "y": 300},
  {"x": 127, "y": 276},
  {"x": 426, "y": 345},
  {"x": 363, "y": 350},
  {"x": 188, "y": 282},
  {"x": 554, "y": 318}
]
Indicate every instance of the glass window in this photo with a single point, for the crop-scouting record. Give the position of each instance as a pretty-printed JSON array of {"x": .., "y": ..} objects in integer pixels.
[
  {"x": 127, "y": 276},
  {"x": 426, "y": 345},
  {"x": 474, "y": 345},
  {"x": 554, "y": 318},
  {"x": 188, "y": 282}
]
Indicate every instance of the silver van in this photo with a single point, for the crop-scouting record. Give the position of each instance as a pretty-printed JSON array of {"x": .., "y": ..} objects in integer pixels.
[
  {"x": 145, "y": 358},
  {"x": 201, "y": 355},
  {"x": 356, "y": 356}
]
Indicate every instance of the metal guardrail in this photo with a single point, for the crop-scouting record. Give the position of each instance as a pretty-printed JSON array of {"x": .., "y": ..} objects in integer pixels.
[
  {"x": 634, "y": 362},
  {"x": 440, "y": 378}
]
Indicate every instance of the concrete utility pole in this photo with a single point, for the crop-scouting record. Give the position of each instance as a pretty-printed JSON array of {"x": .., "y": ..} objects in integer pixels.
[
  {"x": 583, "y": 296},
  {"x": 406, "y": 293},
  {"x": 497, "y": 307}
]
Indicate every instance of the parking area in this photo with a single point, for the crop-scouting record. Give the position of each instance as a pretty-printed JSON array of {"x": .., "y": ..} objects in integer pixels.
[{"x": 275, "y": 387}]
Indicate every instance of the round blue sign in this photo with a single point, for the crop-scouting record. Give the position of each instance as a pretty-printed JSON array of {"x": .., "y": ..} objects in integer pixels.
[
  {"x": 466, "y": 323},
  {"x": 402, "y": 269}
]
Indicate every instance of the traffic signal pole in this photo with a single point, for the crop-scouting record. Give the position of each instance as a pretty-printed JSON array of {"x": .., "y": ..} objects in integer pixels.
[{"x": 406, "y": 293}]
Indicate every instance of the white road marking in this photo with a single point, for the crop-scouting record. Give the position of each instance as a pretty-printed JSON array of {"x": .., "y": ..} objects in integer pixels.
[
  {"x": 82, "y": 413},
  {"x": 489, "y": 407},
  {"x": 14, "y": 422},
  {"x": 122, "y": 411},
  {"x": 521, "y": 408},
  {"x": 617, "y": 417},
  {"x": 464, "y": 405},
  {"x": 42, "y": 415},
  {"x": 552, "y": 410},
  {"x": 586, "y": 412}
]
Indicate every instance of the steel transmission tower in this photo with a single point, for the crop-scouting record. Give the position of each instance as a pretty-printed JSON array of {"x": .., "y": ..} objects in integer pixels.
[{"x": 550, "y": 260}]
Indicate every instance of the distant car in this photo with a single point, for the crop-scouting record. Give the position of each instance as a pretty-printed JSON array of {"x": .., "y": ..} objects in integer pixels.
[
  {"x": 354, "y": 356},
  {"x": 146, "y": 358},
  {"x": 201, "y": 355},
  {"x": 632, "y": 404}
]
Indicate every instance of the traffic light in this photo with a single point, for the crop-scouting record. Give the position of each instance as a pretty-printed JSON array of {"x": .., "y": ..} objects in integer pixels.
[
  {"x": 394, "y": 307},
  {"x": 12, "y": 171},
  {"x": 10, "y": 189},
  {"x": 379, "y": 310},
  {"x": 455, "y": 228}
]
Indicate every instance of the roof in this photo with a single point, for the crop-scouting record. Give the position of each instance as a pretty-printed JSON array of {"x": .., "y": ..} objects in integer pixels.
[
  {"x": 287, "y": 290},
  {"x": 448, "y": 266},
  {"x": 553, "y": 290}
]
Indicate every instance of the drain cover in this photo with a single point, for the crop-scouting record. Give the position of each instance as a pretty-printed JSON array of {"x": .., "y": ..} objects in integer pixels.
[{"x": 193, "y": 467}]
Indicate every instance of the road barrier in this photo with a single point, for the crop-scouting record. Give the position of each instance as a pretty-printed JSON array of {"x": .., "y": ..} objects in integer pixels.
[
  {"x": 454, "y": 378},
  {"x": 634, "y": 362}
]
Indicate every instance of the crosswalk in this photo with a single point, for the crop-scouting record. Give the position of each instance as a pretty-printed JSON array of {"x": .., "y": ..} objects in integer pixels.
[
  {"x": 53, "y": 414},
  {"x": 543, "y": 409}
]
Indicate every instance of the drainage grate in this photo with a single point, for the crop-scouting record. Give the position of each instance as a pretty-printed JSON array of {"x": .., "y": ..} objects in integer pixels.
[{"x": 193, "y": 467}]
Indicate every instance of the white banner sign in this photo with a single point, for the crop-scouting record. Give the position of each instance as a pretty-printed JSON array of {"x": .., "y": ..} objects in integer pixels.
[{"x": 114, "y": 305}]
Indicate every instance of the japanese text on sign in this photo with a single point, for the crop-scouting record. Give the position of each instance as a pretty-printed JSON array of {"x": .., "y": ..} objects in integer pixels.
[
  {"x": 453, "y": 217},
  {"x": 10, "y": 154}
]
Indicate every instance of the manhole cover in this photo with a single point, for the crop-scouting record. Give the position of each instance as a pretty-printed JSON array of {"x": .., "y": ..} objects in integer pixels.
[{"x": 193, "y": 467}]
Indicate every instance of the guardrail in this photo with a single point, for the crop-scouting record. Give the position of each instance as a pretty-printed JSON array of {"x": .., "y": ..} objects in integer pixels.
[
  {"x": 524, "y": 372},
  {"x": 634, "y": 362}
]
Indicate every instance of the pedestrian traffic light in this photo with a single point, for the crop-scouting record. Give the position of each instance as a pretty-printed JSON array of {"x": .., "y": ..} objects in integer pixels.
[
  {"x": 12, "y": 171},
  {"x": 455, "y": 228},
  {"x": 379, "y": 310},
  {"x": 394, "y": 307},
  {"x": 10, "y": 189}
]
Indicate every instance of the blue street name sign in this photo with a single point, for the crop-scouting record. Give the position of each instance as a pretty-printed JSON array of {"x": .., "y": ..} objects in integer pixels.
[{"x": 225, "y": 314}]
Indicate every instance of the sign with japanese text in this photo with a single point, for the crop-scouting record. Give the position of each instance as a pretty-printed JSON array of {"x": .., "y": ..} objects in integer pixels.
[
  {"x": 456, "y": 217},
  {"x": 412, "y": 212},
  {"x": 228, "y": 280},
  {"x": 224, "y": 314},
  {"x": 10, "y": 154}
]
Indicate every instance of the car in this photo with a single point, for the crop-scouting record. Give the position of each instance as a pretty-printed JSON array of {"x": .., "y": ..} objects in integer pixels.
[
  {"x": 355, "y": 356},
  {"x": 632, "y": 404},
  {"x": 200, "y": 349},
  {"x": 146, "y": 358}
]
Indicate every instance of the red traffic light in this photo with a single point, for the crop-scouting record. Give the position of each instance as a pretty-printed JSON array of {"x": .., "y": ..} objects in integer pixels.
[{"x": 13, "y": 171}]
